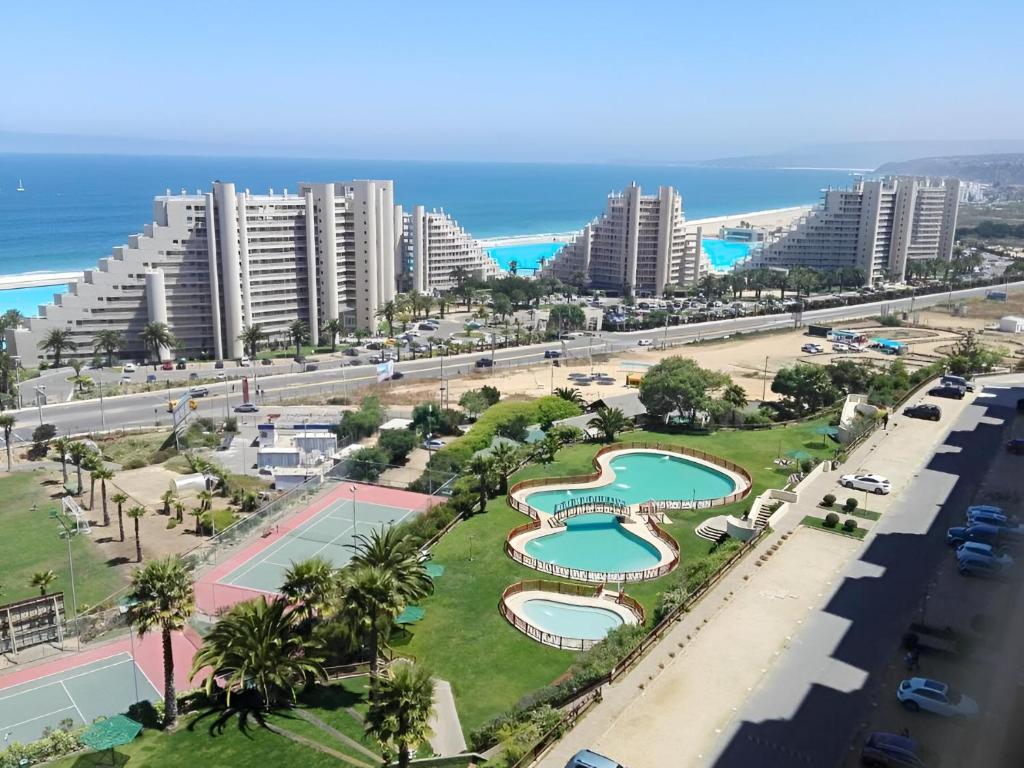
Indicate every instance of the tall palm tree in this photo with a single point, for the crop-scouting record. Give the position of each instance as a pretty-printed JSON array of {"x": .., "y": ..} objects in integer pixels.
[
  {"x": 179, "y": 510},
  {"x": 482, "y": 468},
  {"x": 91, "y": 463},
  {"x": 389, "y": 549},
  {"x": 251, "y": 337},
  {"x": 60, "y": 447},
  {"x": 42, "y": 580},
  {"x": 103, "y": 474},
  {"x": 370, "y": 600},
  {"x": 119, "y": 499},
  {"x": 736, "y": 397},
  {"x": 7, "y": 425},
  {"x": 78, "y": 379},
  {"x": 156, "y": 336},
  {"x": 257, "y": 646},
  {"x": 504, "y": 458},
  {"x": 298, "y": 331},
  {"x": 136, "y": 514},
  {"x": 309, "y": 584},
  {"x": 109, "y": 342},
  {"x": 387, "y": 313},
  {"x": 79, "y": 453},
  {"x": 571, "y": 394},
  {"x": 398, "y": 719},
  {"x": 334, "y": 328},
  {"x": 609, "y": 421},
  {"x": 57, "y": 341},
  {"x": 168, "y": 498},
  {"x": 163, "y": 598},
  {"x": 205, "y": 500},
  {"x": 11, "y": 319}
]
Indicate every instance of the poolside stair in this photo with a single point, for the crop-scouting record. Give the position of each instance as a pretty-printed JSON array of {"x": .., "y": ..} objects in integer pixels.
[{"x": 713, "y": 529}]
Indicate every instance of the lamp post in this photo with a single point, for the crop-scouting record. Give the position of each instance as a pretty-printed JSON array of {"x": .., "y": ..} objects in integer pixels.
[
  {"x": 353, "y": 489},
  {"x": 40, "y": 399},
  {"x": 764, "y": 382},
  {"x": 71, "y": 570}
]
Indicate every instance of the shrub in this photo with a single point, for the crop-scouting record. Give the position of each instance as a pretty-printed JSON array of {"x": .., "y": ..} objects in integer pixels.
[
  {"x": 172, "y": 522},
  {"x": 231, "y": 424},
  {"x": 849, "y": 525},
  {"x": 849, "y": 505},
  {"x": 831, "y": 520},
  {"x": 891, "y": 320},
  {"x": 828, "y": 500},
  {"x": 159, "y": 457},
  {"x": 396, "y": 443},
  {"x": 367, "y": 464},
  {"x": 807, "y": 465},
  {"x": 134, "y": 463}
]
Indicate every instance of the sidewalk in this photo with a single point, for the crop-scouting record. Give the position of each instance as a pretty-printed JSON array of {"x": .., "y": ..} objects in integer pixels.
[{"x": 671, "y": 708}]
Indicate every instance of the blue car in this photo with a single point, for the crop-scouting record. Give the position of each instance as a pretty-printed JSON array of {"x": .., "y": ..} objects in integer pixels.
[
  {"x": 587, "y": 759},
  {"x": 981, "y": 532}
]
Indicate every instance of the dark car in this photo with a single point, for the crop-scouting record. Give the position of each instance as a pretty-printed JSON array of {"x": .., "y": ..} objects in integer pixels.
[
  {"x": 947, "y": 390},
  {"x": 397, "y": 375},
  {"x": 266, "y": 361},
  {"x": 355, "y": 362},
  {"x": 1016, "y": 445},
  {"x": 198, "y": 392},
  {"x": 552, "y": 354},
  {"x": 219, "y": 364},
  {"x": 923, "y": 411},
  {"x": 351, "y": 352},
  {"x": 181, "y": 364},
  {"x": 980, "y": 532},
  {"x": 889, "y": 749},
  {"x": 485, "y": 362},
  {"x": 299, "y": 359}
]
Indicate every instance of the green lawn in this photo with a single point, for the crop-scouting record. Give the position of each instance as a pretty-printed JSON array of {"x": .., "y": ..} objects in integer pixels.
[
  {"x": 463, "y": 638},
  {"x": 31, "y": 542},
  {"x": 816, "y": 522}
]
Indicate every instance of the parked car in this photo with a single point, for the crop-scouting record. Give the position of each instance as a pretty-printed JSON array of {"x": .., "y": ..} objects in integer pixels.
[
  {"x": 351, "y": 352},
  {"x": 587, "y": 759},
  {"x": 246, "y": 408},
  {"x": 948, "y": 390},
  {"x": 433, "y": 444},
  {"x": 128, "y": 368},
  {"x": 357, "y": 361},
  {"x": 266, "y": 361},
  {"x": 971, "y": 563},
  {"x": 397, "y": 375},
  {"x": 221, "y": 376},
  {"x": 1016, "y": 445},
  {"x": 644, "y": 343},
  {"x": 167, "y": 365},
  {"x": 986, "y": 534},
  {"x": 150, "y": 378},
  {"x": 932, "y": 696},
  {"x": 923, "y": 411},
  {"x": 181, "y": 364},
  {"x": 990, "y": 515},
  {"x": 244, "y": 360},
  {"x": 957, "y": 381},
  {"x": 198, "y": 392},
  {"x": 552, "y": 354},
  {"x": 484, "y": 362},
  {"x": 890, "y": 750},
  {"x": 193, "y": 376},
  {"x": 986, "y": 550},
  {"x": 873, "y": 483},
  {"x": 813, "y": 349}
]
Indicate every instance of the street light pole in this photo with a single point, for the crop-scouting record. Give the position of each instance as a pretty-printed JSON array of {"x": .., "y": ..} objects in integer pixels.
[
  {"x": 764, "y": 382},
  {"x": 71, "y": 570},
  {"x": 353, "y": 489}
]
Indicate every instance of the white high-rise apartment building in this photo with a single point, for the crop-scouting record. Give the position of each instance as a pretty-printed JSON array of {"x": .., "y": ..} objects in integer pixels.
[
  {"x": 435, "y": 245},
  {"x": 874, "y": 226},
  {"x": 638, "y": 245},
  {"x": 212, "y": 263}
]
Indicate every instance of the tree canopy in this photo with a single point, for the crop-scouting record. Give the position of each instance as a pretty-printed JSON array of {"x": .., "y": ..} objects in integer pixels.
[{"x": 679, "y": 384}]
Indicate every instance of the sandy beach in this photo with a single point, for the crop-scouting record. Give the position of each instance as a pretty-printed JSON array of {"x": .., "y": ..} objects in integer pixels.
[
  {"x": 38, "y": 279},
  {"x": 771, "y": 219},
  {"x": 513, "y": 240}
]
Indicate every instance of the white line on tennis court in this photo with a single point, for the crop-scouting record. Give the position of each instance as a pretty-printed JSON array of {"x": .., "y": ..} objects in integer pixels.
[
  {"x": 71, "y": 677},
  {"x": 73, "y": 702},
  {"x": 11, "y": 726}
]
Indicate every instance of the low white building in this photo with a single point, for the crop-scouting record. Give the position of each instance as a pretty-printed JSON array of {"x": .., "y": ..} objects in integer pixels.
[
  {"x": 272, "y": 457},
  {"x": 1012, "y": 324}
]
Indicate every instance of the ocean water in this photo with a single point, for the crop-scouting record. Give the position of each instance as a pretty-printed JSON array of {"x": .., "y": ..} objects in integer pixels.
[
  {"x": 75, "y": 208},
  {"x": 723, "y": 254}
]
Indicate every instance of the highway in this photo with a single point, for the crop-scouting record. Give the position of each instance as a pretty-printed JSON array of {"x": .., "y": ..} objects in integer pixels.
[{"x": 150, "y": 408}]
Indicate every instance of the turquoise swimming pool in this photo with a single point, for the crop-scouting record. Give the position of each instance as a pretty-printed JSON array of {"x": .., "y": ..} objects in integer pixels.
[
  {"x": 724, "y": 255},
  {"x": 595, "y": 542},
  {"x": 642, "y": 476},
  {"x": 585, "y": 622}
]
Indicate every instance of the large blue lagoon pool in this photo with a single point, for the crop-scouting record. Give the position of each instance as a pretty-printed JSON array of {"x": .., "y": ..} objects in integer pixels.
[
  {"x": 724, "y": 255},
  {"x": 642, "y": 476},
  {"x": 526, "y": 257},
  {"x": 585, "y": 622},
  {"x": 595, "y": 542}
]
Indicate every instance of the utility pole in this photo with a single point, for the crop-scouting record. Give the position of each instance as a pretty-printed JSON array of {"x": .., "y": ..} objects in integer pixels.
[
  {"x": 764, "y": 382},
  {"x": 71, "y": 570}
]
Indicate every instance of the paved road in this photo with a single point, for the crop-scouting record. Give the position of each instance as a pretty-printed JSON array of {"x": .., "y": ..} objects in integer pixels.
[
  {"x": 78, "y": 417},
  {"x": 807, "y": 711}
]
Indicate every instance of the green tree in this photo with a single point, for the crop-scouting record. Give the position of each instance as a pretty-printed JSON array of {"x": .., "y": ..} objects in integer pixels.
[
  {"x": 399, "y": 717},
  {"x": 850, "y": 376},
  {"x": 504, "y": 458},
  {"x": 7, "y": 425},
  {"x": 334, "y": 328},
  {"x": 566, "y": 317},
  {"x": 136, "y": 514},
  {"x": 679, "y": 384},
  {"x": 387, "y": 313},
  {"x": 298, "y": 331},
  {"x": 251, "y": 337},
  {"x": 548, "y": 447},
  {"x": 80, "y": 454},
  {"x": 162, "y": 598},
  {"x": 257, "y": 646},
  {"x": 42, "y": 580},
  {"x": 474, "y": 402},
  {"x": 396, "y": 443},
  {"x": 609, "y": 422},
  {"x": 61, "y": 447},
  {"x": 156, "y": 336},
  {"x": 804, "y": 388},
  {"x": 481, "y": 469},
  {"x": 57, "y": 341},
  {"x": 309, "y": 584},
  {"x": 119, "y": 499},
  {"x": 389, "y": 549},
  {"x": 571, "y": 394},
  {"x": 367, "y": 464},
  {"x": 107, "y": 341},
  {"x": 103, "y": 474},
  {"x": 369, "y": 601},
  {"x": 735, "y": 397}
]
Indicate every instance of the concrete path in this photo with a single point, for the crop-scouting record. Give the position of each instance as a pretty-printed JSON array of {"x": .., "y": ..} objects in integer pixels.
[{"x": 446, "y": 731}]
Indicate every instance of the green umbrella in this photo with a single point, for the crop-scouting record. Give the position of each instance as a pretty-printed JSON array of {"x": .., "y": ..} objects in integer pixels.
[
  {"x": 113, "y": 732},
  {"x": 434, "y": 570},
  {"x": 825, "y": 431},
  {"x": 410, "y": 615},
  {"x": 799, "y": 455}
]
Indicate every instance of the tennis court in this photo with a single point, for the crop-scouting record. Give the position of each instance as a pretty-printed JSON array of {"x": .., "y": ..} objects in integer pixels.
[
  {"x": 327, "y": 533},
  {"x": 103, "y": 687}
]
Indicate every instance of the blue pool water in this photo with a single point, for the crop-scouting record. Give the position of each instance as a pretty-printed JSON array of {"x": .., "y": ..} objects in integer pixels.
[
  {"x": 595, "y": 543},
  {"x": 642, "y": 476},
  {"x": 27, "y": 300},
  {"x": 527, "y": 257},
  {"x": 585, "y": 622},
  {"x": 722, "y": 254}
]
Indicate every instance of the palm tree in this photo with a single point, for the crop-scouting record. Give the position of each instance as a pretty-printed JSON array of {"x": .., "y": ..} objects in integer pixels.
[
  {"x": 387, "y": 314},
  {"x": 736, "y": 397},
  {"x": 42, "y": 580},
  {"x": 136, "y": 514},
  {"x": 205, "y": 500},
  {"x": 504, "y": 458},
  {"x": 103, "y": 474},
  {"x": 156, "y": 336},
  {"x": 168, "y": 497},
  {"x": 78, "y": 379},
  {"x": 7, "y": 425},
  {"x": 163, "y": 598},
  {"x": 197, "y": 513},
  {"x": 392, "y": 551},
  {"x": 91, "y": 463},
  {"x": 257, "y": 646},
  {"x": 79, "y": 453},
  {"x": 57, "y": 341},
  {"x": 119, "y": 499},
  {"x": 179, "y": 510},
  {"x": 482, "y": 468},
  {"x": 61, "y": 446},
  {"x": 11, "y": 319},
  {"x": 609, "y": 421},
  {"x": 298, "y": 331},
  {"x": 107, "y": 341},
  {"x": 309, "y": 584},
  {"x": 251, "y": 337},
  {"x": 370, "y": 601},
  {"x": 334, "y": 328},
  {"x": 398, "y": 719},
  {"x": 571, "y": 394}
]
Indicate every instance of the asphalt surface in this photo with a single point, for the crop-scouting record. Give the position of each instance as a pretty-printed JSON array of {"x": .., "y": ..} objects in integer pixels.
[
  {"x": 150, "y": 408},
  {"x": 808, "y": 711}
]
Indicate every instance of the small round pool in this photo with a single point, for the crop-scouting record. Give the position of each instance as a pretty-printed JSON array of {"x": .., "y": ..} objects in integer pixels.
[
  {"x": 642, "y": 476},
  {"x": 583, "y": 622},
  {"x": 595, "y": 542}
]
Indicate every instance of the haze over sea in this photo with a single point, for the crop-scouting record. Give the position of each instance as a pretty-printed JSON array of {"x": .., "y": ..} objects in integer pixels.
[{"x": 75, "y": 208}]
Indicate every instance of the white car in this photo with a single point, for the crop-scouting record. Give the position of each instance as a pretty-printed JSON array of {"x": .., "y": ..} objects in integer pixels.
[
  {"x": 873, "y": 483},
  {"x": 644, "y": 343},
  {"x": 433, "y": 445},
  {"x": 244, "y": 360},
  {"x": 128, "y": 368},
  {"x": 932, "y": 696}
]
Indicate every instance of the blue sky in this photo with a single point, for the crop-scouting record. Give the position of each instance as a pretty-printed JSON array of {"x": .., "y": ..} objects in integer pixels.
[{"x": 575, "y": 81}]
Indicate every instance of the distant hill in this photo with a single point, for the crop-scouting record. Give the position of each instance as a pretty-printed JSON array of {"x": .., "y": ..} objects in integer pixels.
[
  {"x": 1004, "y": 169},
  {"x": 863, "y": 156}
]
